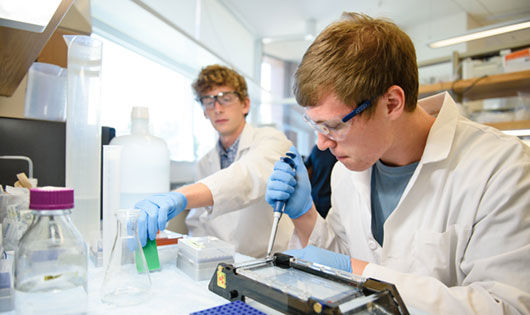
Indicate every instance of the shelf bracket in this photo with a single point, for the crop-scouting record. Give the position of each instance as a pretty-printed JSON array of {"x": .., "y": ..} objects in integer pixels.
[{"x": 457, "y": 73}]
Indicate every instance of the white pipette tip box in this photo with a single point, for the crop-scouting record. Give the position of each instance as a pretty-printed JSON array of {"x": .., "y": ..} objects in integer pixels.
[{"x": 198, "y": 257}]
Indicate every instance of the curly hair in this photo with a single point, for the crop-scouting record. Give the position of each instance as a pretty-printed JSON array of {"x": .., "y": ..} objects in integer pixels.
[
  {"x": 214, "y": 76},
  {"x": 358, "y": 58}
]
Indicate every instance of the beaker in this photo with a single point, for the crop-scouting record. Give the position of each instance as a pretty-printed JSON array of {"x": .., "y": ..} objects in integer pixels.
[
  {"x": 46, "y": 92},
  {"x": 126, "y": 280}
]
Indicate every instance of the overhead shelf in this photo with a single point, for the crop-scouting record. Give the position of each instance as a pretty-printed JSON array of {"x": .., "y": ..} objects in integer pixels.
[
  {"x": 511, "y": 125},
  {"x": 20, "y": 48},
  {"x": 500, "y": 85}
]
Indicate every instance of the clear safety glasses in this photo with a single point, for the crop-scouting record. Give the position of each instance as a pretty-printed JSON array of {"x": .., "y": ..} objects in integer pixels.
[
  {"x": 223, "y": 98},
  {"x": 337, "y": 129}
]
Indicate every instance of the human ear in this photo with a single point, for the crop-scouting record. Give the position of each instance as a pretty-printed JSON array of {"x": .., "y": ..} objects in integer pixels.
[
  {"x": 246, "y": 105},
  {"x": 395, "y": 101}
]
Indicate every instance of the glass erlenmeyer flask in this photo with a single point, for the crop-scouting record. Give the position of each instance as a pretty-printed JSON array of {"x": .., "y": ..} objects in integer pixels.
[{"x": 126, "y": 280}]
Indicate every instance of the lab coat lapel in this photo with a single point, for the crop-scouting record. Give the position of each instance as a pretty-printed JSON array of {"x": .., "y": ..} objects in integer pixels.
[
  {"x": 440, "y": 138},
  {"x": 438, "y": 146},
  {"x": 214, "y": 162},
  {"x": 442, "y": 133},
  {"x": 245, "y": 140},
  {"x": 361, "y": 182}
]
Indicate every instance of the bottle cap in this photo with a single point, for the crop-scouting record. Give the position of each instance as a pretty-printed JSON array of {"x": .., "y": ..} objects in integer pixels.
[{"x": 48, "y": 198}]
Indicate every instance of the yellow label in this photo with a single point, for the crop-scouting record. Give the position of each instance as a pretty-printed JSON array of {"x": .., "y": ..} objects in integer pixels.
[
  {"x": 221, "y": 277},
  {"x": 317, "y": 307}
]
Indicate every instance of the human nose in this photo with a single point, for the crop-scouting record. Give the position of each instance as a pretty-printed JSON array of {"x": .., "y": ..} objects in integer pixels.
[
  {"x": 217, "y": 106},
  {"x": 323, "y": 142}
]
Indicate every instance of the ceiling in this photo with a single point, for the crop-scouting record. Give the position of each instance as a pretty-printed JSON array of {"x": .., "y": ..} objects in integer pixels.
[{"x": 284, "y": 23}]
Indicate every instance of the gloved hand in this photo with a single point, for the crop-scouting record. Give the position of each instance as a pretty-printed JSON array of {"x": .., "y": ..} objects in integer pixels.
[
  {"x": 292, "y": 185},
  {"x": 322, "y": 256},
  {"x": 156, "y": 211}
]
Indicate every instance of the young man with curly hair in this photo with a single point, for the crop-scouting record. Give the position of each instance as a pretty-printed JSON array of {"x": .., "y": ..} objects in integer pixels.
[{"x": 228, "y": 200}]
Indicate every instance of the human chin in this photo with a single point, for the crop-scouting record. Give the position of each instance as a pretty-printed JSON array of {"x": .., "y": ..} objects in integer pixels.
[
  {"x": 354, "y": 164},
  {"x": 222, "y": 127}
]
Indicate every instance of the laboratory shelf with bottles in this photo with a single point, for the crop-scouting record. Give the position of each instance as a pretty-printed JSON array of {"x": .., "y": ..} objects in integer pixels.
[{"x": 501, "y": 100}]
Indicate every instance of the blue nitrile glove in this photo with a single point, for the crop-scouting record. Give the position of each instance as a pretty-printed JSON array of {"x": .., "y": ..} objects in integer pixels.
[
  {"x": 322, "y": 256},
  {"x": 292, "y": 185},
  {"x": 156, "y": 211}
]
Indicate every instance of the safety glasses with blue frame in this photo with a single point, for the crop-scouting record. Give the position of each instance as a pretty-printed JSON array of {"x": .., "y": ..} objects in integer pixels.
[{"x": 337, "y": 129}]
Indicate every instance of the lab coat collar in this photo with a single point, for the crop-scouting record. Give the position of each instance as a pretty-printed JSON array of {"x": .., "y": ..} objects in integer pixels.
[
  {"x": 442, "y": 133},
  {"x": 245, "y": 139},
  {"x": 438, "y": 146}
]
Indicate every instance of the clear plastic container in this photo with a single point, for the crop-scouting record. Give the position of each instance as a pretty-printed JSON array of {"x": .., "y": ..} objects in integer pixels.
[
  {"x": 15, "y": 216},
  {"x": 198, "y": 256},
  {"x": 83, "y": 130},
  {"x": 46, "y": 92},
  {"x": 199, "y": 271},
  {"x": 144, "y": 161},
  {"x": 6, "y": 279},
  {"x": 51, "y": 259},
  {"x": 205, "y": 248}
]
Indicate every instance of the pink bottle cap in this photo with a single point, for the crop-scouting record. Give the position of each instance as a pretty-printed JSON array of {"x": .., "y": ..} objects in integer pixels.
[{"x": 48, "y": 198}]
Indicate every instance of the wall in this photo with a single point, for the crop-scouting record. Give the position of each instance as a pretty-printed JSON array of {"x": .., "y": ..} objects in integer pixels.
[
  {"x": 13, "y": 106},
  {"x": 185, "y": 35},
  {"x": 225, "y": 35},
  {"x": 435, "y": 29}
]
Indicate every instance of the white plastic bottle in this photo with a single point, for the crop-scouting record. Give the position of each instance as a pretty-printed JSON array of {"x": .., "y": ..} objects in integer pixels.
[{"x": 144, "y": 161}]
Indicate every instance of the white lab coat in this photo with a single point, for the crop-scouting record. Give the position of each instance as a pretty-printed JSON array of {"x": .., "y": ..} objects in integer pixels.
[
  {"x": 458, "y": 241},
  {"x": 240, "y": 214}
]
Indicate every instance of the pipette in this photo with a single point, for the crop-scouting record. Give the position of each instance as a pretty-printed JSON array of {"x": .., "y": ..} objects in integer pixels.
[{"x": 279, "y": 207}]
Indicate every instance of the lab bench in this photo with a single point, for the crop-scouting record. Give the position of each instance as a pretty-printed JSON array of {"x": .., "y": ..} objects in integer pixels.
[{"x": 172, "y": 291}]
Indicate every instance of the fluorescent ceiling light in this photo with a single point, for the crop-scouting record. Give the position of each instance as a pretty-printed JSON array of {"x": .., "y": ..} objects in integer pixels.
[
  {"x": 482, "y": 33},
  {"x": 309, "y": 35}
]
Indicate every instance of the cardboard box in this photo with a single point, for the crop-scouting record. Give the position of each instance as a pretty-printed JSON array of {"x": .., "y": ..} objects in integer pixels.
[
  {"x": 475, "y": 68},
  {"x": 517, "y": 61}
]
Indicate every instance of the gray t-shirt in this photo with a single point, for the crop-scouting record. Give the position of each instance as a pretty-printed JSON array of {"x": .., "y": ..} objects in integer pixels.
[{"x": 388, "y": 184}]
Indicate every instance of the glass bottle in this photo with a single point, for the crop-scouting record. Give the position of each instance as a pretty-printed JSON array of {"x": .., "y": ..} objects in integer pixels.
[
  {"x": 51, "y": 259},
  {"x": 126, "y": 280}
]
